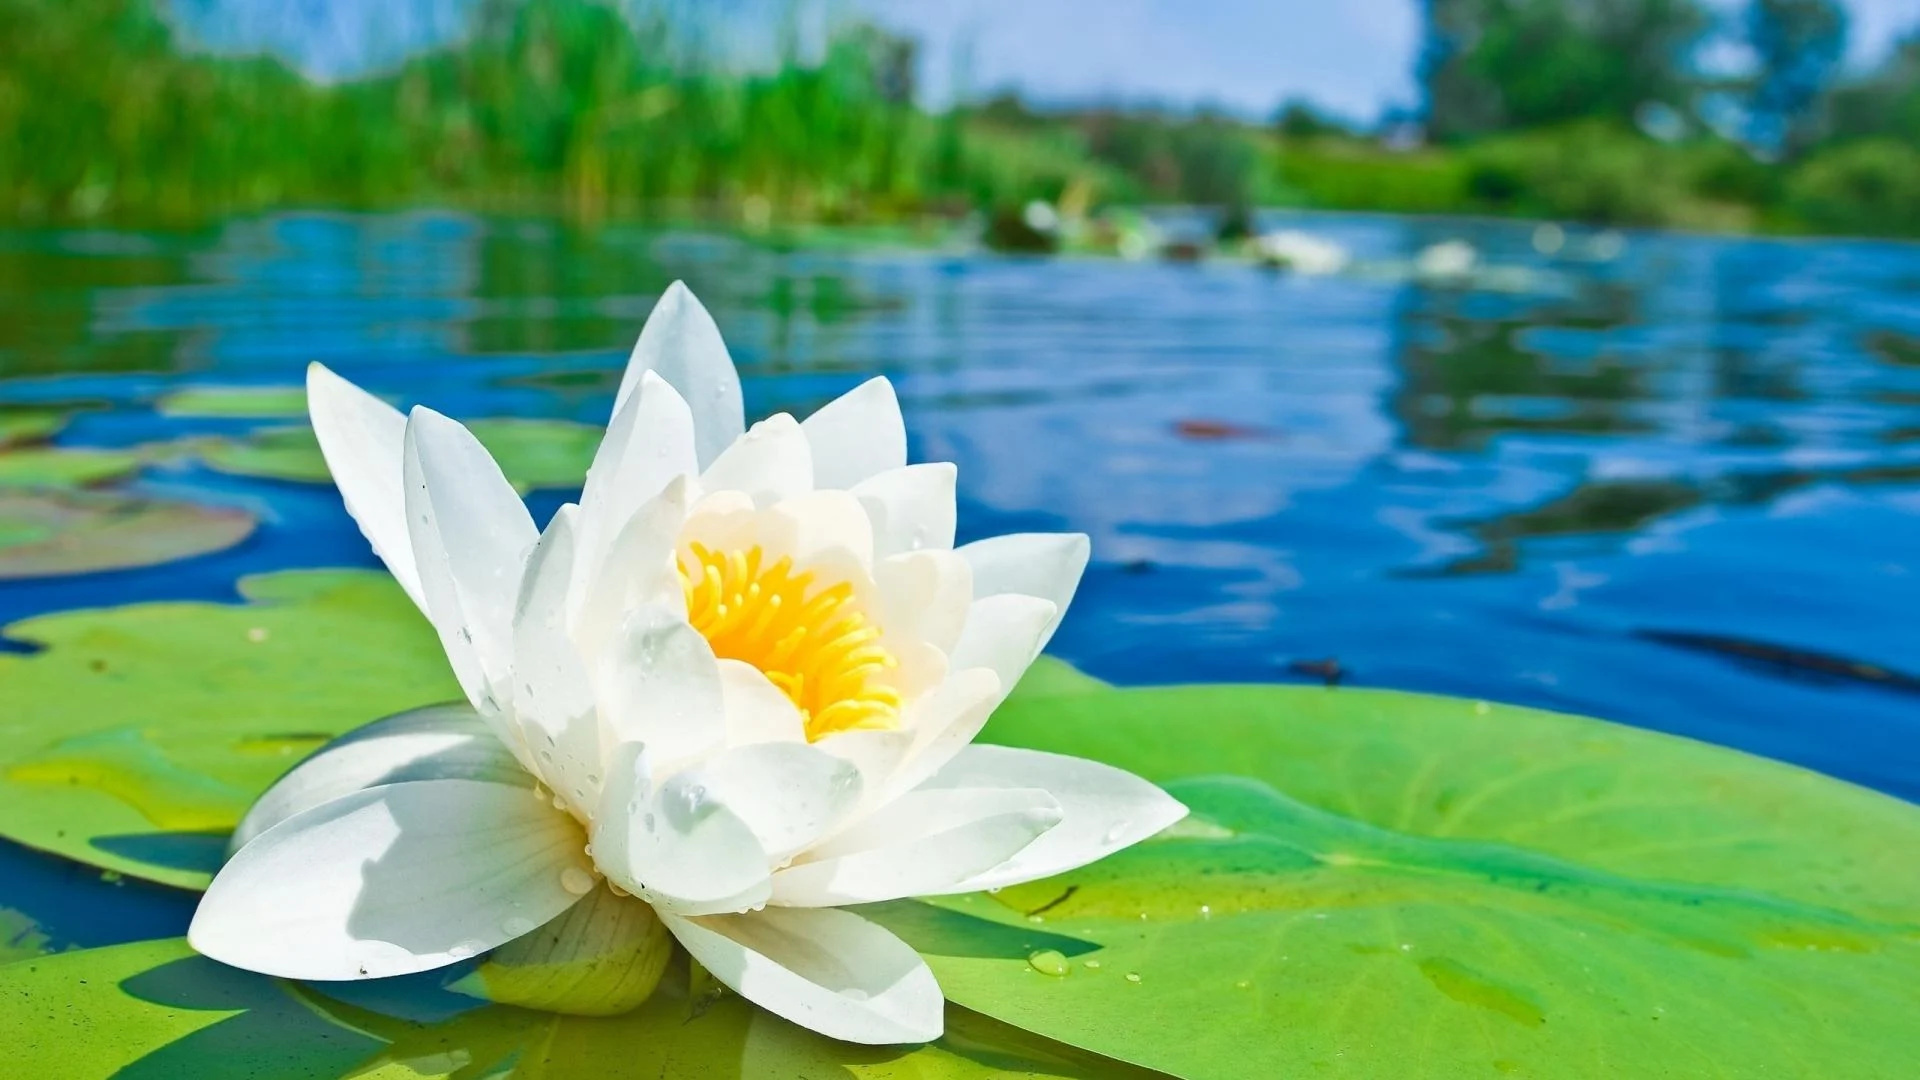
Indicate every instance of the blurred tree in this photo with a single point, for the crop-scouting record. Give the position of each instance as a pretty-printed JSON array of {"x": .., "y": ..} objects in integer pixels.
[
  {"x": 1299, "y": 119},
  {"x": 1799, "y": 45},
  {"x": 1492, "y": 65},
  {"x": 1886, "y": 103}
]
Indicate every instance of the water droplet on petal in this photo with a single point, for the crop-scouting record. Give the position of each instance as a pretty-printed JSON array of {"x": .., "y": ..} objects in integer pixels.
[
  {"x": 1115, "y": 833},
  {"x": 516, "y": 926},
  {"x": 576, "y": 881},
  {"x": 1048, "y": 962},
  {"x": 460, "y": 950}
]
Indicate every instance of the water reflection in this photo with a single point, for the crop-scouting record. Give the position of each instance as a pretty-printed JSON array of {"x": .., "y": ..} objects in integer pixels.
[{"x": 1649, "y": 487}]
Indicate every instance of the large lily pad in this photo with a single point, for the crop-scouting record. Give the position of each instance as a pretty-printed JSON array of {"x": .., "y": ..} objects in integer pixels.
[
  {"x": 534, "y": 454},
  {"x": 153, "y": 1009},
  {"x": 139, "y": 735},
  {"x": 1378, "y": 884},
  {"x": 47, "y": 532}
]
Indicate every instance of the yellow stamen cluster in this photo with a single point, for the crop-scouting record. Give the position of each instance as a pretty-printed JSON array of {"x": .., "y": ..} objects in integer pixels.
[{"x": 814, "y": 643}]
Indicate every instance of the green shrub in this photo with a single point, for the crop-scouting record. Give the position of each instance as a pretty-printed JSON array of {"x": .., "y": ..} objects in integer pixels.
[
  {"x": 1871, "y": 186},
  {"x": 1589, "y": 172}
]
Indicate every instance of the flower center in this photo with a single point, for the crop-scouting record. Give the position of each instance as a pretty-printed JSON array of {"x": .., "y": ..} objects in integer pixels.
[{"x": 812, "y": 641}]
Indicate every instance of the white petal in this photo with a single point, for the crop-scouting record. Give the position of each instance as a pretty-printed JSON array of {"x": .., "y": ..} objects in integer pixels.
[
  {"x": 1046, "y": 565},
  {"x": 439, "y": 742},
  {"x": 757, "y": 710},
  {"x": 1103, "y": 809},
  {"x": 770, "y": 462},
  {"x": 552, "y": 695},
  {"x": 924, "y": 843},
  {"x": 681, "y": 343},
  {"x": 391, "y": 880},
  {"x": 942, "y": 722},
  {"x": 1003, "y": 634},
  {"x": 659, "y": 685},
  {"x": 822, "y": 527},
  {"x": 831, "y": 971},
  {"x": 789, "y": 794},
  {"x": 857, "y": 435},
  {"x": 471, "y": 535},
  {"x": 648, "y": 444},
  {"x": 925, "y": 596},
  {"x": 362, "y": 438},
  {"x": 675, "y": 845},
  {"x": 638, "y": 571},
  {"x": 912, "y": 508},
  {"x": 876, "y": 753}
]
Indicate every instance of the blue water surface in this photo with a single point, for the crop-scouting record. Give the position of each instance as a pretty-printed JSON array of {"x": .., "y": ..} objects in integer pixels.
[{"x": 1667, "y": 480}]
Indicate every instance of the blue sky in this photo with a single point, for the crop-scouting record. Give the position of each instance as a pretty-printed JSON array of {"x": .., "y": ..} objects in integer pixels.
[{"x": 1354, "y": 57}]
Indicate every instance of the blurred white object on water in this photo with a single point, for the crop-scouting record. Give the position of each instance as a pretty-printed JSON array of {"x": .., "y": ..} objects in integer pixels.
[
  {"x": 1041, "y": 217},
  {"x": 1301, "y": 252},
  {"x": 1447, "y": 259}
]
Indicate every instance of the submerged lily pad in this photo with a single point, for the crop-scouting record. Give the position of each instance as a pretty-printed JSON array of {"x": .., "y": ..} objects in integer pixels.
[
  {"x": 50, "y": 532},
  {"x": 21, "y": 937},
  {"x": 1379, "y": 884},
  {"x": 534, "y": 454},
  {"x": 139, "y": 735},
  {"x": 154, "y": 1009},
  {"x": 214, "y": 402}
]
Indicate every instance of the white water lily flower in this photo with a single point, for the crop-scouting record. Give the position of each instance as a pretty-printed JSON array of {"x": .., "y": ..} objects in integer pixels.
[{"x": 738, "y": 681}]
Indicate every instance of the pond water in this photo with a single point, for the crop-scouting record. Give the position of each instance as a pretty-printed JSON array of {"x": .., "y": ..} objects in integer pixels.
[{"x": 1667, "y": 480}]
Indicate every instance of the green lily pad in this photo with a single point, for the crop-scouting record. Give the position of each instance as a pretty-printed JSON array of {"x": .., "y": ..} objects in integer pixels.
[
  {"x": 534, "y": 454},
  {"x": 154, "y": 1009},
  {"x": 49, "y": 532},
  {"x": 1378, "y": 884},
  {"x": 138, "y": 737},
  {"x": 216, "y": 402},
  {"x": 30, "y": 425},
  {"x": 65, "y": 467}
]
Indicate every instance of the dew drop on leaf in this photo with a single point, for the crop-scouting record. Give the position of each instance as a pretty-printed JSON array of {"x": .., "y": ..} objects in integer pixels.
[{"x": 1048, "y": 962}]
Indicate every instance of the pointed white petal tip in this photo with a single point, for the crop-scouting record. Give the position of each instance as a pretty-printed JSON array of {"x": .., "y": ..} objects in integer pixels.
[
  {"x": 857, "y": 435},
  {"x": 1103, "y": 809},
  {"x": 825, "y": 969},
  {"x": 681, "y": 343}
]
